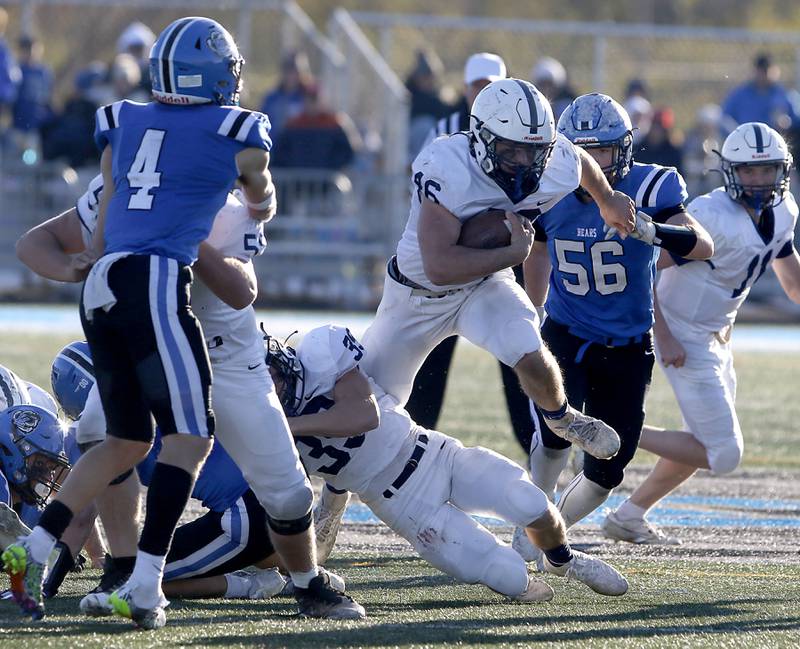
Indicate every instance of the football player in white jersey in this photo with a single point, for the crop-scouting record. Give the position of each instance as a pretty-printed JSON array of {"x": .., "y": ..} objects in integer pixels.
[
  {"x": 253, "y": 430},
  {"x": 752, "y": 220},
  {"x": 421, "y": 483},
  {"x": 511, "y": 159}
]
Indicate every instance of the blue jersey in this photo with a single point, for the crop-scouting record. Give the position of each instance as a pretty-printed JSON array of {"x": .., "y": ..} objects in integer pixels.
[
  {"x": 219, "y": 485},
  {"x": 603, "y": 290},
  {"x": 173, "y": 167}
]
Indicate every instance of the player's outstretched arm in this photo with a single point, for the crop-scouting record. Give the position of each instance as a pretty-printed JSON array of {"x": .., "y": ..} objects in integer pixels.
[
  {"x": 47, "y": 249},
  {"x": 232, "y": 280},
  {"x": 787, "y": 270},
  {"x": 683, "y": 235},
  {"x": 445, "y": 262},
  {"x": 536, "y": 270},
  {"x": 616, "y": 208},
  {"x": 355, "y": 410},
  {"x": 256, "y": 180}
]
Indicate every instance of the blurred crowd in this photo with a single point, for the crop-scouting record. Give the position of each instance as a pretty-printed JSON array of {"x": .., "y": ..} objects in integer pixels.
[
  {"x": 761, "y": 98},
  {"x": 308, "y": 134}
]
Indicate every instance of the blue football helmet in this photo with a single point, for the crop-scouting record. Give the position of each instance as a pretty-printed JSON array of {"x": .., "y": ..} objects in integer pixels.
[
  {"x": 196, "y": 61},
  {"x": 283, "y": 361},
  {"x": 72, "y": 376},
  {"x": 596, "y": 120},
  {"x": 32, "y": 452}
]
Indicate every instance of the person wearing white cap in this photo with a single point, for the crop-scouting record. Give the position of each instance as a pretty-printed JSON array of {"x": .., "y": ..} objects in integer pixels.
[{"x": 550, "y": 77}]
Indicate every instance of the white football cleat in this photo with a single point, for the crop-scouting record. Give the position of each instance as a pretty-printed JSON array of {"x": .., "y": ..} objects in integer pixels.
[
  {"x": 527, "y": 550},
  {"x": 595, "y": 573},
  {"x": 124, "y": 604},
  {"x": 537, "y": 591},
  {"x": 328, "y": 514},
  {"x": 636, "y": 530},
  {"x": 595, "y": 437},
  {"x": 265, "y": 583},
  {"x": 96, "y": 605}
]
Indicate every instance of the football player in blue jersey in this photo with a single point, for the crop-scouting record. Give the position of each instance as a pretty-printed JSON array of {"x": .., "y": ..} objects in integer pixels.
[
  {"x": 600, "y": 300},
  {"x": 171, "y": 164}
]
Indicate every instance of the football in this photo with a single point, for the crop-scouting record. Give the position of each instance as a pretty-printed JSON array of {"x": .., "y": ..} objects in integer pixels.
[{"x": 486, "y": 230}]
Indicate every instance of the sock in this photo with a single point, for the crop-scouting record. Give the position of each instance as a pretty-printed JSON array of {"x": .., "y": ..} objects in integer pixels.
[
  {"x": 55, "y": 518},
  {"x": 554, "y": 414},
  {"x": 238, "y": 587},
  {"x": 170, "y": 488},
  {"x": 146, "y": 577},
  {"x": 581, "y": 498},
  {"x": 40, "y": 544},
  {"x": 546, "y": 465},
  {"x": 560, "y": 555},
  {"x": 629, "y": 511},
  {"x": 303, "y": 579}
]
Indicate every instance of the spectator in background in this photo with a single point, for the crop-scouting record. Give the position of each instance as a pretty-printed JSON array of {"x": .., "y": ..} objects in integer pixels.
[
  {"x": 9, "y": 72},
  {"x": 125, "y": 78},
  {"x": 32, "y": 106},
  {"x": 763, "y": 98},
  {"x": 479, "y": 71},
  {"x": 287, "y": 99},
  {"x": 69, "y": 136},
  {"x": 427, "y": 106},
  {"x": 661, "y": 144},
  {"x": 699, "y": 157},
  {"x": 637, "y": 88},
  {"x": 137, "y": 39},
  {"x": 317, "y": 138},
  {"x": 550, "y": 77},
  {"x": 641, "y": 114}
]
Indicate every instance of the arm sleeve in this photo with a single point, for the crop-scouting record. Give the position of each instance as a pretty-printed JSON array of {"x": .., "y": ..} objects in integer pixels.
[{"x": 786, "y": 251}]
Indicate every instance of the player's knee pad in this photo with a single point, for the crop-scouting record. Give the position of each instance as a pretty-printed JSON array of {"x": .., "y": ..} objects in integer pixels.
[
  {"x": 520, "y": 337},
  {"x": 724, "y": 459},
  {"x": 290, "y": 527},
  {"x": 289, "y": 502},
  {"x": 524, "y": 502},
  {"x": 608, "y": 475}
]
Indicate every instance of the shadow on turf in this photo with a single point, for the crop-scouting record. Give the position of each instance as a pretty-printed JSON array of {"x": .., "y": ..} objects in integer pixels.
[{"x": 651, "y": 621}]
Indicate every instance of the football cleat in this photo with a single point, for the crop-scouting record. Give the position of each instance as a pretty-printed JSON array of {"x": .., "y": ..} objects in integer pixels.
[
  {"x": 96, "y": 603},
  {"x": 635, "y": 530},
  {"x": 537, "y": 591},
  {"x": 336, "y": 581},
  {"x": 595, "y": 437},
  {"x": 328, "y": 515},
  {"x": 265, "y": 584},
  {"x": 122, "y": 604},
  {"x": 527, "y": 550},
  {"x": 595, "y": 573},
  {"x": 322, "y": 600},
  {"x": 27, "y": 578}
]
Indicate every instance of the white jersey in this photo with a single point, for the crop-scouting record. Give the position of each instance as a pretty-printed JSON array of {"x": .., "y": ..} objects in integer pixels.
[
  {"x": 447, "y": 173},
  {"x": 42, "y": 398},
  {"x": 231, "y": 335},
  {"x": 327, "y": 354},
  {"x": 13, "y": 390},
  {"x": 703, "y": 297}
]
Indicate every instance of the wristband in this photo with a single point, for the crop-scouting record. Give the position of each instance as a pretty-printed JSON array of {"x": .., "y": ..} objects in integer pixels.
[
  {"x": 677, "y": 239},
  {"x": 266, "y": 204}
]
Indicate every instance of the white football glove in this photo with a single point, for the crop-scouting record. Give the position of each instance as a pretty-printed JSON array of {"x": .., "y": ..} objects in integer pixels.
[{"x": 643, "y": 230}]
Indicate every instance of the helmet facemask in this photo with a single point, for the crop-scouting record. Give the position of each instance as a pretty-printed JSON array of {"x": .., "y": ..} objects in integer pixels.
[
  {"x": 517, "y": 179},
  {"x": 42, "y": 475},
  {"x": 757, "y": 197},
  {"x": 283, "y": 361}
]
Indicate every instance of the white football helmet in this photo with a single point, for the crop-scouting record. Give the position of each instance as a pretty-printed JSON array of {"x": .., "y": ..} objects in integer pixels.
[
  {"x": 514, "y": 111},
  {"x": 755, "y": 144}
]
